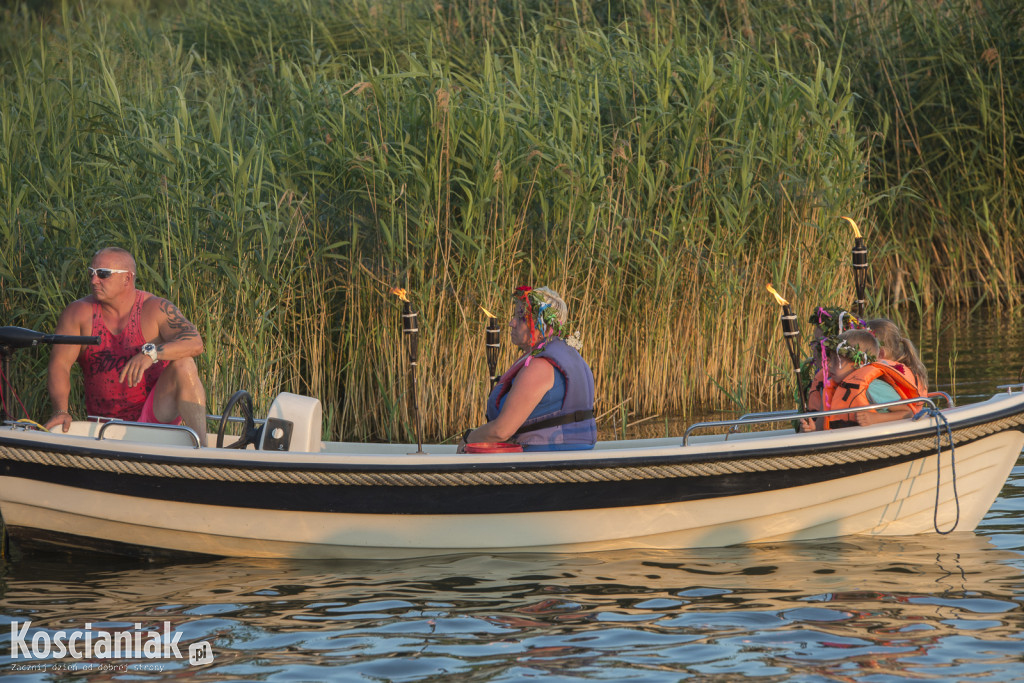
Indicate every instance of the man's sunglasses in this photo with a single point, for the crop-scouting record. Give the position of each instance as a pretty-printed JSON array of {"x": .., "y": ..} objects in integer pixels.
[{"x": 104, "y": 273}]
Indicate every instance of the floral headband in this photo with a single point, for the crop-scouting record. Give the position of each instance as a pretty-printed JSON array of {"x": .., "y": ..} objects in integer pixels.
[
  {"x": 840, "y": 347},
  {"x": 540, "y": 314},
  {"x": 834, "y": 321}
]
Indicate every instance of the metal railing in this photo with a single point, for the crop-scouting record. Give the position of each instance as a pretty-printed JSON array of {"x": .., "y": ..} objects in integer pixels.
[
  {"x": 790, "y": 415},
  {"x": 148, "y": 425}
]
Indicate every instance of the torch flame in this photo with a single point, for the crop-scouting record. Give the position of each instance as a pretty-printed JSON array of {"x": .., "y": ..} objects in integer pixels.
[
  {"x": 778, "y": 297},
  {"x": 400, "y": 293},
  {"x": 856, "y": 230},
  {"x": 487, "y": 313}
]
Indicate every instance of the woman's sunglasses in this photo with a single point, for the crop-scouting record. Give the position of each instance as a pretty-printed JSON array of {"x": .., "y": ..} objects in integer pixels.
[{"x": 104, "y": 273}]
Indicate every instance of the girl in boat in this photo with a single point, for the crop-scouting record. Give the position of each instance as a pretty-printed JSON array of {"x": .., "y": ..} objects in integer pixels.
[
  {"x": 828, "y": 323},
  {"x": 545, "y": 401},
  {"x": 858, "y": 378},
  {"x": 896, "y": 348}
]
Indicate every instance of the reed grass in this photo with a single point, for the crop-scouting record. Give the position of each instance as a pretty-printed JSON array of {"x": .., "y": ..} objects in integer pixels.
[{"x": 277, "y": 167}]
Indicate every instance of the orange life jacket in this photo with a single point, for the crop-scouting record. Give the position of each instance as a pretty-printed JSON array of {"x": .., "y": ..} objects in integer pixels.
[
  {"x": 852, "y": 392},
  {"x": 922, "y": 387}
]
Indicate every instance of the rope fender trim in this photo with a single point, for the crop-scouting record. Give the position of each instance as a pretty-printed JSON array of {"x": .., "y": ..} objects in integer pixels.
[{"x": 924, "y": 446}]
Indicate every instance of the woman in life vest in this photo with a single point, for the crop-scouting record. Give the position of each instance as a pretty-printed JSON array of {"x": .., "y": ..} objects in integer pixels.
[
  {"x": 545, "y": 401},
  {"x": 856, "y": 377}
]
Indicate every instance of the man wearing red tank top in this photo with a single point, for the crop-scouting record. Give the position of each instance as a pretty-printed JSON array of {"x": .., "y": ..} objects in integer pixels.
[{"x": 143, "y": 369}]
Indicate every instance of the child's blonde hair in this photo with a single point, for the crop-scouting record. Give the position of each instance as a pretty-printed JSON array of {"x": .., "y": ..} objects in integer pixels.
[{"x": 899, "y": 349}]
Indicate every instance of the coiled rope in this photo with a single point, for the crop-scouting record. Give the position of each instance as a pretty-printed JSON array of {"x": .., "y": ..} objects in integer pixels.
[{"x": 940, "y": 422}]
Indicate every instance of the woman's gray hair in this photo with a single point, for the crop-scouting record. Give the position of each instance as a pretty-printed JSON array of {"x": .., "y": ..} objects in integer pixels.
[{"x": 550, "y": 296}]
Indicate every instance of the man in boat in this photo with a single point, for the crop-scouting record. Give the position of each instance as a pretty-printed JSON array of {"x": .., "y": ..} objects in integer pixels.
[{"x": 143, "y": 369}]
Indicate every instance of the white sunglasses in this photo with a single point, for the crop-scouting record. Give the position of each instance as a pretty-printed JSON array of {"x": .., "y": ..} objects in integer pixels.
[{"x": 104, "y": 273}]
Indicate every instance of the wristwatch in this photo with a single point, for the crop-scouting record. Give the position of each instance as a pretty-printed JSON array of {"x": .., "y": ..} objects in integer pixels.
[{"x": 150, "y": 350}]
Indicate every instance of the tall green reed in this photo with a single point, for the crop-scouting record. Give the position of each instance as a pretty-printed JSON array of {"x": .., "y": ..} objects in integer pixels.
[{"x": 276, "y": 168}]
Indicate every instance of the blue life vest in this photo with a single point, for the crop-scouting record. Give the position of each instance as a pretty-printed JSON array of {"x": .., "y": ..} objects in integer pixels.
[{"x": 570, "y": 401}]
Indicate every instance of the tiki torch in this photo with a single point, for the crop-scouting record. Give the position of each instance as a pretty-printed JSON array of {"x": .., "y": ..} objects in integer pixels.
[
  {"x": 860, "y": 265},
  {"x": 493, "y": 341},
  {"x": 790, "y": 332},
  {"x": 411, "y": 333}
]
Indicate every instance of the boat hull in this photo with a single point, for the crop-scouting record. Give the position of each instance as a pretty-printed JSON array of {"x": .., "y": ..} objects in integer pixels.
[{"x": 142, "y": 499}]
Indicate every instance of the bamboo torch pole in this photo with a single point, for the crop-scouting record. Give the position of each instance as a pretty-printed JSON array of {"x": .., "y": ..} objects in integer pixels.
[
  {"x": 860, "y": 265},
  {"x": 791, "y": 333},
  {"x": 411, "y": 333},
  {"x": 493, "y": 341}
]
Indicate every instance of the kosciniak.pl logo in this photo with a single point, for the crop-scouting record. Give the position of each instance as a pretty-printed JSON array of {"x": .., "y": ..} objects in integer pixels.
[{"x": 89, "y": 643}]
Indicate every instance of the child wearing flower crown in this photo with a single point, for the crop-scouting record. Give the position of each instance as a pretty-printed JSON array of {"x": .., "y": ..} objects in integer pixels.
[
  {"x": 828, "y": 323},
  {"x": 858, "y": 379}
]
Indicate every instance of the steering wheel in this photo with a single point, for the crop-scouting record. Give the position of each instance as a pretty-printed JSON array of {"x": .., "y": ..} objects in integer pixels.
[{"x": 250, "y": 433}]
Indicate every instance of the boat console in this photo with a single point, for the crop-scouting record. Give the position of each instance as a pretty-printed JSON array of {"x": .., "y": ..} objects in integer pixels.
[{"x": 294, "y": 423}]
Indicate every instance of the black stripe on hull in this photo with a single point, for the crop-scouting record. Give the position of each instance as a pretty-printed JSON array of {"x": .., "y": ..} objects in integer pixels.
[{"x": 442, "y": 500}]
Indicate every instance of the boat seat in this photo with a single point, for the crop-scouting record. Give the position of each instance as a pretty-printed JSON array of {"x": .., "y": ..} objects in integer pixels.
[{"x": 305, "y": 416}]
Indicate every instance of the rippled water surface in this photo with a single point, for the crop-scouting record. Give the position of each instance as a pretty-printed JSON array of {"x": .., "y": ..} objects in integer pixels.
[{"x": 852, "y": 609}]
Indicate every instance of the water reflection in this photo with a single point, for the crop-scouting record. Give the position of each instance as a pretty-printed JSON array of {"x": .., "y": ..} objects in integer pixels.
[
  {"x": 970, "y": 353},
  {"x": 896, "y": 605}
]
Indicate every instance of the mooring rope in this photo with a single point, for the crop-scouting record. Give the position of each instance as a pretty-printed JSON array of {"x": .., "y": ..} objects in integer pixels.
[{"x": 940, "y": 422}]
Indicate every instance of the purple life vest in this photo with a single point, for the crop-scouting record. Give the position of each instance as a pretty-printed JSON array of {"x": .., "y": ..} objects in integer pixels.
[{"x": 576, "y": 414}]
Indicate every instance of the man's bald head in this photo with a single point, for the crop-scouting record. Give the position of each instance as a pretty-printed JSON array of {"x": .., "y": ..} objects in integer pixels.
[{"x": 116, "y": 257}]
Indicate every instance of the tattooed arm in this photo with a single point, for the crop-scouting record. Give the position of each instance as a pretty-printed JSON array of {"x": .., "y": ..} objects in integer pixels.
[
  {"x": 178, "y": 337},
  {"x": 175, "y": 338}
]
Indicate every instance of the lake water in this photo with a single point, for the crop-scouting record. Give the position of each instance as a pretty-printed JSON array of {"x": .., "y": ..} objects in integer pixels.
[{"x": 854, "y": 609}]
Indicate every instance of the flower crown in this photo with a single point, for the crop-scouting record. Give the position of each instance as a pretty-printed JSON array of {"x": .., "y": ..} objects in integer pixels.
[
  {"x": 841, "y": 347},
  {"x": 834, "y": 321},
  {"x": 542, "y": 316}
]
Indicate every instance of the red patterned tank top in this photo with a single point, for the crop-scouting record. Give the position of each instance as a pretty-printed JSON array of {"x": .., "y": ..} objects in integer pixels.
[{"x": 105, "y": 396}]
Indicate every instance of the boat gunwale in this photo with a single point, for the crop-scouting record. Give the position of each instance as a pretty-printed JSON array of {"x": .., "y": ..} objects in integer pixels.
[{"x": 749, "y": 449}]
